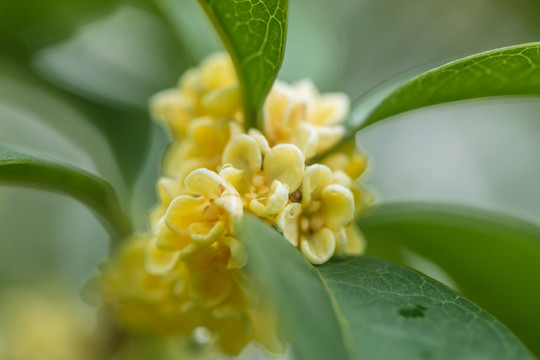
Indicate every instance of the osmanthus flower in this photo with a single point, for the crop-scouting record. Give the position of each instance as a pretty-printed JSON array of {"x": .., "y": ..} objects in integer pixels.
[
  {"x": 209, "y": 90},
  {"x": 210, "y": 212},
  {"x": 317, "y": 225},
  {"x": 202, "y": 148},
  {"x": 203, "y": 291},
  {"x": 298, "y": 114},
  {"x": 265, "y": 177}
]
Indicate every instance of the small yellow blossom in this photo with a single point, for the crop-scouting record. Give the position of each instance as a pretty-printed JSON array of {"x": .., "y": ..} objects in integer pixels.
[
  {"x": 203, "y": 146},
  {"x": 208, "y": 91},
  {"x": 317, "y": 224},
  {"x": 211, "y": 211},
  {"x": 264, "y": 176},
  {"x": 300, "y": 115}
]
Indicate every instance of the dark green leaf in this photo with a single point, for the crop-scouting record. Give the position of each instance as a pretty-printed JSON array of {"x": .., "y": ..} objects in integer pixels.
[
  {"x": 24, "y": 169},
  {"x": 371, "y": 309},
  {"x": 254, "y": 32},
  {"x": 494, "y": 259}
]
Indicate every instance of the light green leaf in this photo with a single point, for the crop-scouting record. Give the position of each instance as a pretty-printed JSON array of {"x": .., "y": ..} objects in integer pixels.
[
  {"x": 254, "y": 32},
  {"x": 305, "y": 306},
  {"x": 24, "y": 169},
  {"x": 511, "y": 71},
  {"x": 494, "y": 259},
  {"x": 367, "y": 308}
]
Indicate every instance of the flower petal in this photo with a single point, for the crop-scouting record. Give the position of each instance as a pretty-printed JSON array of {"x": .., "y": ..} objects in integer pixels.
[
  {"x": 328, "y": 109},
  {"x": 206, "y": 183},
  {"x": 159, "y": 262},
  {"x": 205, "y": 233},
  {"x": 174, "y": 109},
  {"x": 357, "y": 243},
  {"x": 238, "y": 257},
  {"x": 276, "y": 200},
  {"x": 168, "y": 189},
  {"x": 319, "y": 247},
  {"x": 167, "y": 240},
  {"x": 243, "y": 153},
  {"x": 183, "y": 211},
  {"x": 284, "y": 162},
  {"x": 287, "y": 222},
  {"x": 328, "y": 136},
  {"x": 222, "y": 102},
  {"x": 316, "y": 178},
  {"x": 337, "y": 206}
]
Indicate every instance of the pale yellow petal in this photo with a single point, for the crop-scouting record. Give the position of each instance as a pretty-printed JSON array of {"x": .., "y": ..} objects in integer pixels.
[
  {"x": 173, "y": 109},
  {"x": 341, "y": 240},
  {"x": 168, "y": 189},
  {"x": 285, "y": 163},
  {"x": 305, "y": 137},
  {"x": 329, "y": 109},
  {"x": 243, "y": 153},
  {"x": 357, "y": 243},
  {"x": 337, "y": 206},
  {"x": 205, "y": 233},
  {"x": 238, "y": 257},
  {"x": 206, "y": 183},
  {"x": 167, "y": 240},
  {"x": 233, "y": 205},
  {"x": 316, "y": 178},
  {"x": 217, "y": 70},
  {"x": 319, "y": 247},
  {"x": 235, "y": 177},
  {"x": 259, "y": 138},
  {"x": 222, "y": 102},
  {"x": 159, "y": 262},
  {"x": 328, "y": 136},
  {"x": 275, "y": 201},
  {"x": 287, "y": 222},
  {"x": 183, "y": 211},
  {"x": 276, "y": 111}
]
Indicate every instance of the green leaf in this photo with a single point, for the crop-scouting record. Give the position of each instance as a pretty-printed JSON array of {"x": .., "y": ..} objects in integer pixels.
[
  {"x": 24, "y": 169},
  {"x": 511, "y": 71},
  {"x": 298, "y": 292},
  {"x": 494, "y": 259},
  {"x": 367, "y": 308},
  {"x": 254, "y": 32}
]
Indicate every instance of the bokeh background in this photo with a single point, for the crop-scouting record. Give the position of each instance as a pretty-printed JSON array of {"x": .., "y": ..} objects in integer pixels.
[{"x": 75, "y": 79}]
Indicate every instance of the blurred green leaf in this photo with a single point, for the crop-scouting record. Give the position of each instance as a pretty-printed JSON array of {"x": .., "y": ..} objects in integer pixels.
[
  {"x": 355, "y": 307},
  {"x": 494, "y": 259},
  {"x": 127, "y": 130},
  {"x": 254, "y": 32},
  {"x": 24, "y": 169}
]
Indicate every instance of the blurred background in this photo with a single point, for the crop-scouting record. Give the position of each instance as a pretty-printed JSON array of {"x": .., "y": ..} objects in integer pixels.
[{"x": 75, "y": 79}]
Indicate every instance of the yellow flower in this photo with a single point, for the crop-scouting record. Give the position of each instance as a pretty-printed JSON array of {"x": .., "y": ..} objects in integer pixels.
[
  {"x": 317, "y": 224},
  {"x": 213, "y": 87},
  {"x": 211, "y": 211},
  {"x": 300, "y": 115},
  {"x": 265, "y": 177},
  {"x": 203, "y": 146},
  {"x": 210, "y": 90}
]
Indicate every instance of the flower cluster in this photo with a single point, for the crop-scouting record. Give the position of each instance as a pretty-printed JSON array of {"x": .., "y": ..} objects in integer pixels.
[{"x": 187, "y": 272}]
